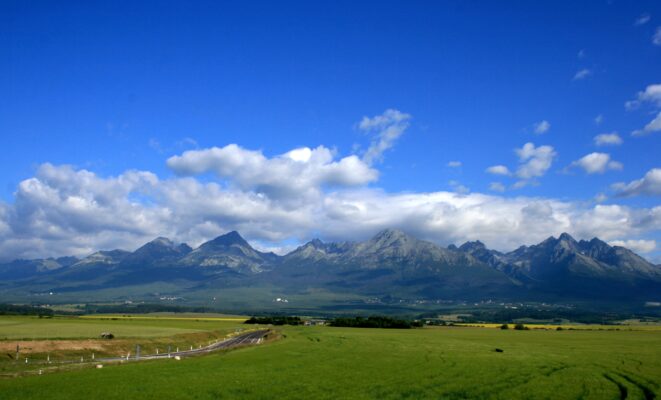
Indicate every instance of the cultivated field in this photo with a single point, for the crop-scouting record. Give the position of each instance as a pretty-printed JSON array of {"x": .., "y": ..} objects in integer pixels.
[
  {"x": 325, "y": 362},
  {"x": 59, "y": 343}
]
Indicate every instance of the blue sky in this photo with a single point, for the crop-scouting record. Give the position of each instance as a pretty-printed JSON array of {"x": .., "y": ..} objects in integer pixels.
[{"x": 110, "y": 88}]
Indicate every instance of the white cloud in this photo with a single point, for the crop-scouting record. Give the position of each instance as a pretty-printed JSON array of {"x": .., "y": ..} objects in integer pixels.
[
  {"x": 650, "y": 184},
  {"x": 497, "y": 187},
  {"x": 653, "y": 126},
  {"x": 652, "y": 95},
  {"x": 597, "y": 163},
  {"x": 541, "y": 127},
  {"x": 387, "y": 127},
  {"x": 639, "y": 246},
  {"x": 582, "y": 74},
  {"x": 454, "y": 164},
  {"x": 535, "y": 161},
  {"x": 301, "y": 172},
  {"x": 63, "y": 210},
  {"x": 498, "y": 170},
  {"x": 608, "y": 139},
  {"x": 656, "y": 38},
  {"x": 598, "y": 119},
  {"x": 643, "y": 19}
]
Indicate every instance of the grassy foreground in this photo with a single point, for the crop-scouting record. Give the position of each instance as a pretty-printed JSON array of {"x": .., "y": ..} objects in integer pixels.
[{"x": 324, "y": 362}]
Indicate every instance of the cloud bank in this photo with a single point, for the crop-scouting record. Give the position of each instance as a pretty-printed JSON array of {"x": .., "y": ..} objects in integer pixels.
[{"x": 295, "y": 196}]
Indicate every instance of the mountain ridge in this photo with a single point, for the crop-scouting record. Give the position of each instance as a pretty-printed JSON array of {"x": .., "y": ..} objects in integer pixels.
[{"x": 391, "y": 262}]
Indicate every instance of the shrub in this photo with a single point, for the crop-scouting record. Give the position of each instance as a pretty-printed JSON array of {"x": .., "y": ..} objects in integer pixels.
[
  {"x": 521, "y": 327},
  {"x": 504, "y": 326},
  {"x": 375, "y": 322},
  {"x": 275, "y": 320}
]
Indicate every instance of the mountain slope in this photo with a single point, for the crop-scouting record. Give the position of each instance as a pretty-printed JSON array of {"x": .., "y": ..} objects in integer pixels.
[
  {"x": 391, "y": 263},
  {"x": 566, "y": 267},
  {"x": 229, "y": 251}
]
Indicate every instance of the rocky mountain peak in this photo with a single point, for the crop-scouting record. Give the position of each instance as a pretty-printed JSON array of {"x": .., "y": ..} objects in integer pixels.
[
  {"x": 470, "y": 247},
  {"x": 162, "y": 241},
  {"x": 228, "y": 239},
  {"x": 390, "y": 236},
  {"x": 565, "y": 237}
]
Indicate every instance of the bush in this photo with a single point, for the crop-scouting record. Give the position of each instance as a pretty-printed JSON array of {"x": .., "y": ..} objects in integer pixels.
[
  {"x": 275, "y": 320},
  {"x": 521, "y": 327},
  {"x": 13, "y": 309},
  {"x": 504, "y": 326},
  {"x": 375, "y": 322},
  {"x": 559, "y": 328}
]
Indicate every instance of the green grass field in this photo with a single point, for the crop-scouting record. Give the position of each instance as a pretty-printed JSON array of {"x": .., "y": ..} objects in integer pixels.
[
  {"x": 325, "y": 362},
  {"x": 32, "y": 328}
]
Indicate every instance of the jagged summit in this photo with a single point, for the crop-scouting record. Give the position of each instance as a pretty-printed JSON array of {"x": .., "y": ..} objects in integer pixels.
[
  {"x": 566, "y": 237},
  {"x": 110, "y": 257},
  {"x": 472, "y": 246},
  {"x": 229, "y": 251},
  {"x": 389, "y": 262},
  {"x": 228, "y": 239},
  {"x": 315, "y": 243},
  {"x": 389, "y": 233},
  {"x": 158, "y": 250},
  {"x": 162, "y": 241}
]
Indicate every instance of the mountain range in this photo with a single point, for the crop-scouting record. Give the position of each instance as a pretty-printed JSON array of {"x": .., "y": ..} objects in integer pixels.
[{"x": 391, "y": 263}]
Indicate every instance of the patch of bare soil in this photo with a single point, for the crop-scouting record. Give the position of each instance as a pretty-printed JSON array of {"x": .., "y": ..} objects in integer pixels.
[{"x": 43, "y": 346}]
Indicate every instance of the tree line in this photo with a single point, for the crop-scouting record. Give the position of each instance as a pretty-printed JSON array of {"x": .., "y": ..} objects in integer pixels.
[
  {"x": 13, "y": 309},
  {"x": 275, "y": 320},
  {"x": 375, "y": 322}
]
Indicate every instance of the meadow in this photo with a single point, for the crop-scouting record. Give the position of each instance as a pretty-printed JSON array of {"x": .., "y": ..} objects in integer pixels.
[
  {"x": 55, "y": 344},
  {"x": 326, "y": 362}
]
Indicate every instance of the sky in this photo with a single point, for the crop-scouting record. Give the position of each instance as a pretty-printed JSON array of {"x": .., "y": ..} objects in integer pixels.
[{"x": 453, "y": 121}]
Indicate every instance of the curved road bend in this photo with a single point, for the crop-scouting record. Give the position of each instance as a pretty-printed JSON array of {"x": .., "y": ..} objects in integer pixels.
[{"x": 247, "y": 338}]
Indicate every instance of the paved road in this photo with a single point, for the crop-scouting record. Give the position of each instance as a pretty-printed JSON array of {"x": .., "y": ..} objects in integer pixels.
[{"x": 253, "y": 337}]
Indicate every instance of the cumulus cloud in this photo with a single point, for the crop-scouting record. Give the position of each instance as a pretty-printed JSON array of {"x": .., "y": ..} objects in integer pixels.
[
  {"x": 597, "y": 163},
  {"x": 639, "y": 246},
  {"x": 534, "y": 161},
  {"x": 541, "y": 127},
  {"x": 582, "y": 74},
  {"x": 63, "y": 210},
  {"x": 454, "y": 164},
  {"x": 300, "y": 172},
  {"x": 650, "y": 185},
  {"x": 653, "y": 126},
  {"x": 498, "y": 170},
  {"x": 642, "y": 19},
  {"x": 608, "y": 139},
  {"x": 651, "y": 95},
  {"x": 387, "y": 128}
]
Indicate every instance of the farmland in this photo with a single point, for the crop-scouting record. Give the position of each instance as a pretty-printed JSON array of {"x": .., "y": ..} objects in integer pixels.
[{"x": 325, "y": 362}]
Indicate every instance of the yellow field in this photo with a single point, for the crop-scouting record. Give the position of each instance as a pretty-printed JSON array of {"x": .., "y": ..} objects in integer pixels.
[{"x": 623, "y": 327}]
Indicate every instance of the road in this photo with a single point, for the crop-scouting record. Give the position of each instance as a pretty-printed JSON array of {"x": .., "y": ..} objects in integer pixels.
[{"x": 253, "y": 337}]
